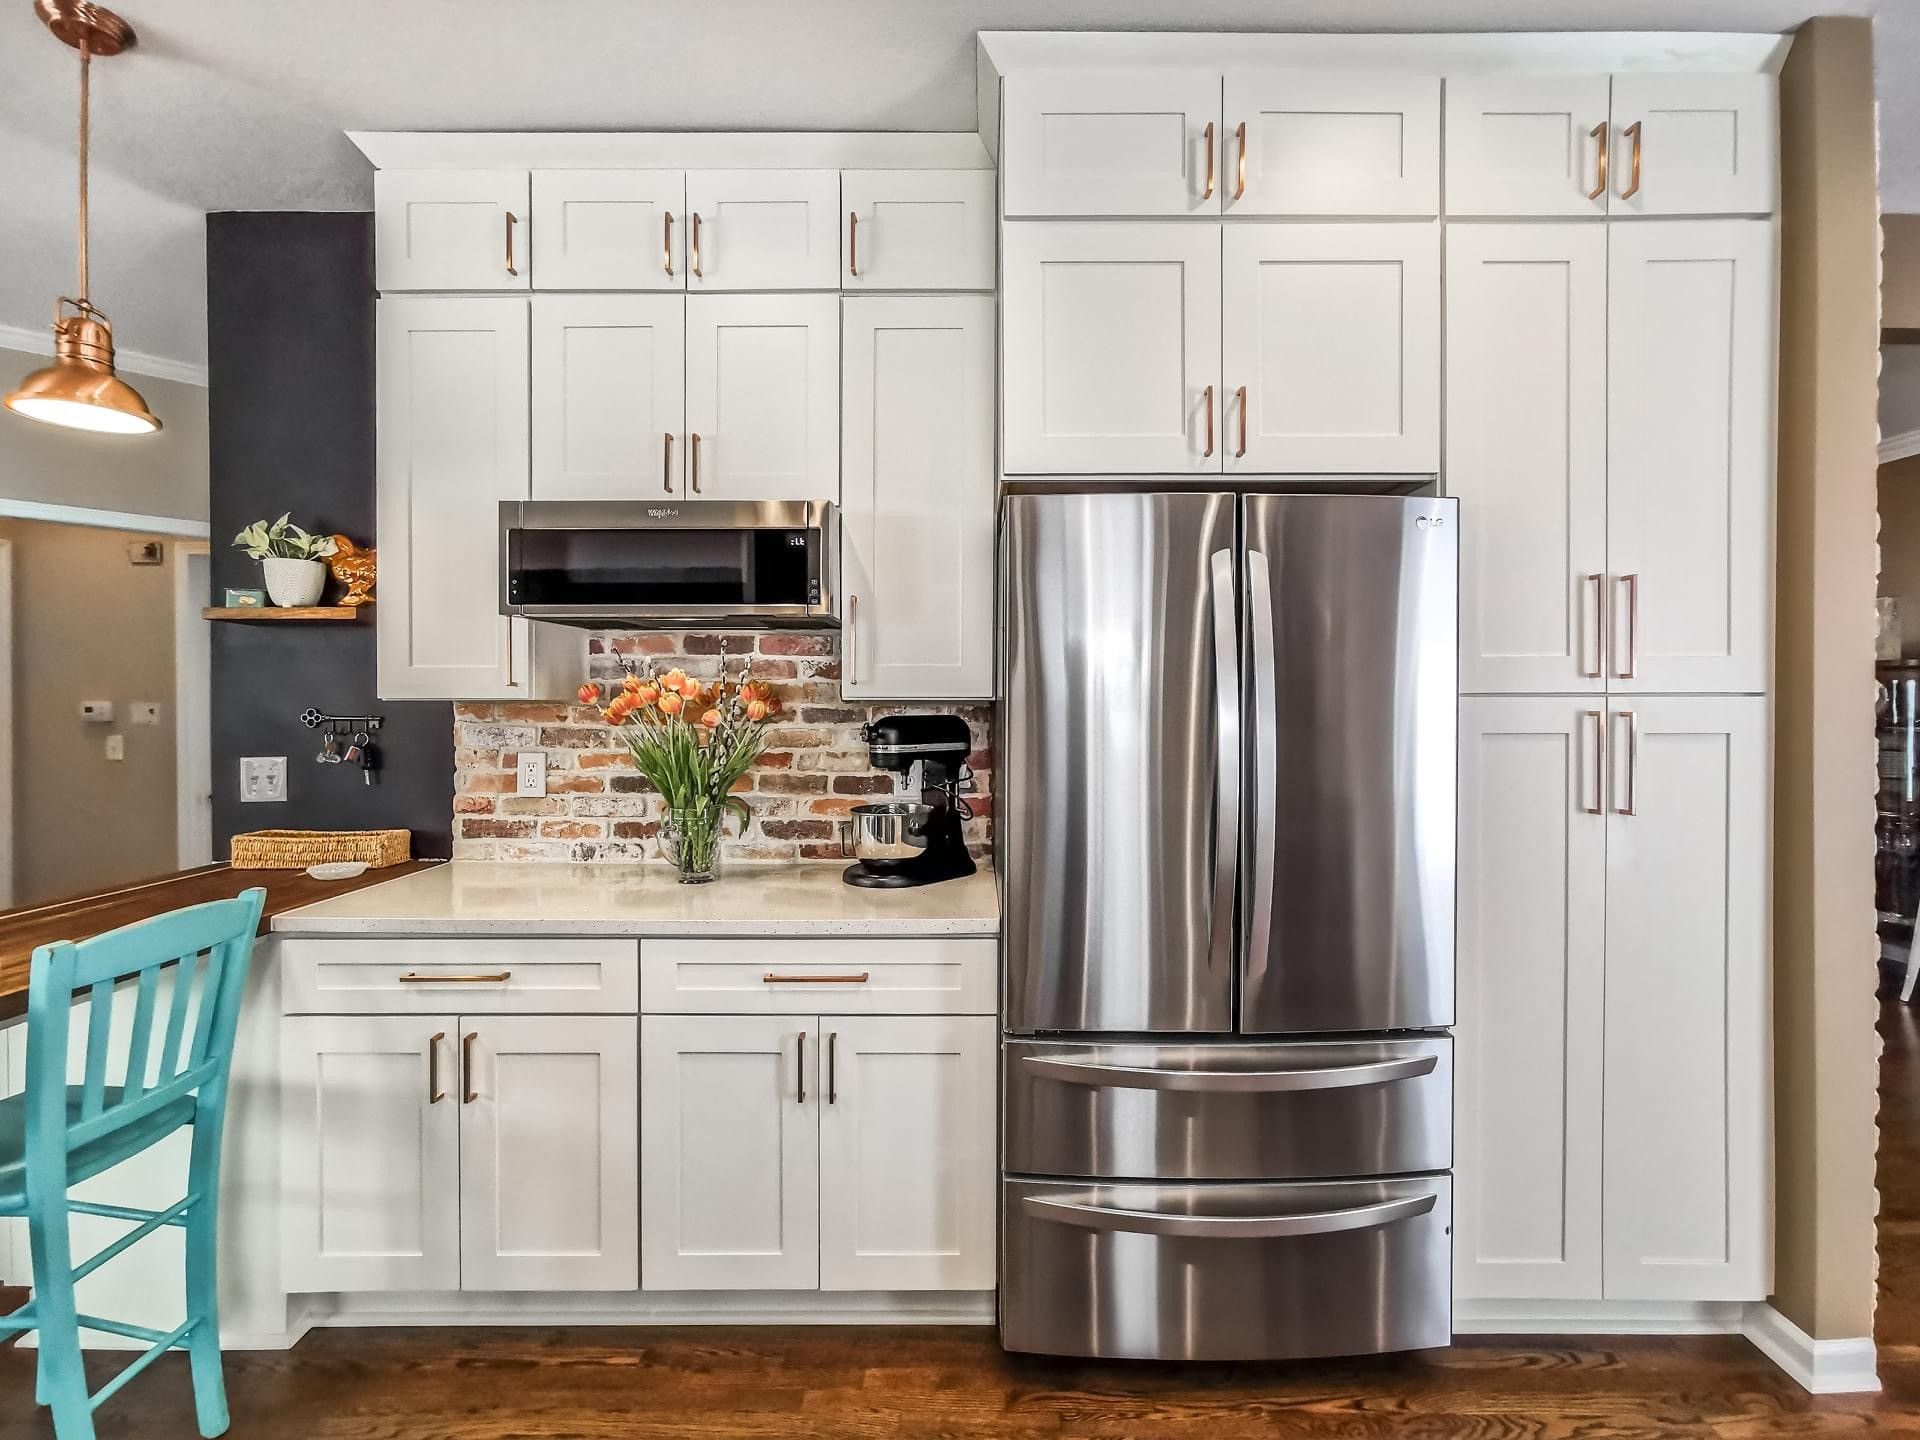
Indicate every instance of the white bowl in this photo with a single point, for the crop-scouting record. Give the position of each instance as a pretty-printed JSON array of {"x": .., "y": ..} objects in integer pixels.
[{"x": 338, "y": 870}]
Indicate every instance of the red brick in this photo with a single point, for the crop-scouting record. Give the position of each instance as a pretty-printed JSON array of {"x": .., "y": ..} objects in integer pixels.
[
  {"x": 603, "y": 759},
  {"x": 560, "y": 783},
  {"x": 487, "y": 782},
  {"x": 473, "y": 829},
  {"x": 635, "y": 829},
  {"x": 863, "y": 784},
  {"x": 774, "y": 760},
  {"x": 473, "y": 804},
  {"x": 571, "y": 737},
  {"x": 644, "y": 645},
  {"x": 785, "y": 782},
  {"x": 784, "y": 643},
  {"x": 797, "y": 830},
  {"x": 571, "y": 829}
]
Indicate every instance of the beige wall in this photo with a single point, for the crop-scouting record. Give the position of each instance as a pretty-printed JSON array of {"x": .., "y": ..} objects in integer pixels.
[
  {"x": 1824, "y": 947},
  {"x": 87, "y": 625},
  {"x": 1900, "y": 280},
  {"x": 1899, "y": 489},
  {"x": 163, "y": 474}
]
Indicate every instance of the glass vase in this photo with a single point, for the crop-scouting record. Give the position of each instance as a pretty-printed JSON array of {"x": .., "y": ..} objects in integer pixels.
[{"x": 691, "y": 839}]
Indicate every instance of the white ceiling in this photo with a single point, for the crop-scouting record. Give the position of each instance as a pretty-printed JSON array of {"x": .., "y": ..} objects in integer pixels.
[{"x": 241, "y": 104}]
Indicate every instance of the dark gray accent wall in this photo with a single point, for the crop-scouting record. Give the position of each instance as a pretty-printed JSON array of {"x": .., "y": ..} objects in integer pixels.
[{"x": 291, "y": 427}]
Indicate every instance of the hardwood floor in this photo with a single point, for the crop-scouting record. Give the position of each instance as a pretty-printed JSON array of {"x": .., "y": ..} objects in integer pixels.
[{"x": 648, "y": 1384}]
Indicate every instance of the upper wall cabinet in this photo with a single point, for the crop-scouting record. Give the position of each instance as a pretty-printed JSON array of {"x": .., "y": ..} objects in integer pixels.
[
  {"x": 918, "y": 229},
  {"x": 451, "y": 230},
  {"x": 1112, "y": 143},
  {"x": 609, "y": 395},
  {"x": 763, "y": 230},
  {"x": 1527, "y": 145},
  {"x": 610, "y": 229},
  {"x": 1331, "y": 142},
  {"x": 1695, "y": 144},
  {"x": 763, "y": 397}
]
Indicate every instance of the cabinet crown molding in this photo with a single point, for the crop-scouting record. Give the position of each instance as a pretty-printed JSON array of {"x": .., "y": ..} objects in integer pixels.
[{"x": 672, "y": 150}]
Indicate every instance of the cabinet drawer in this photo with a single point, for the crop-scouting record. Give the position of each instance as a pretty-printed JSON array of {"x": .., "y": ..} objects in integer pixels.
[
  {"x": 808, "y": 977},
  {"x": 470, "y": 976}
]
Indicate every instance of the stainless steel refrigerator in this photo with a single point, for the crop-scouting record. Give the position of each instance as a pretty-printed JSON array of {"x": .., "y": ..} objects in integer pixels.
[{"x": 1226, "y": 833}]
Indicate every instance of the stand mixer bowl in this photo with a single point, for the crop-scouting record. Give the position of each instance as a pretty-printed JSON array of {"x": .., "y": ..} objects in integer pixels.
[{"x": 877, "y": 834}]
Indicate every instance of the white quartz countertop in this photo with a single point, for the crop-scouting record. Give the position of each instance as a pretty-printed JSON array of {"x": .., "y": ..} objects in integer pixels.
[{"x": 473, "y": 897}]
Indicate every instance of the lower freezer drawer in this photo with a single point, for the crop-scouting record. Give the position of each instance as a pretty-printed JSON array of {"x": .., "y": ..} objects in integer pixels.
[{"x": 1226, "y": 1271}]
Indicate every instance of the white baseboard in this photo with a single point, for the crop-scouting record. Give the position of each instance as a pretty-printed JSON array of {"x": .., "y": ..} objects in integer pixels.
[{"x": 1820, "y": 1367}]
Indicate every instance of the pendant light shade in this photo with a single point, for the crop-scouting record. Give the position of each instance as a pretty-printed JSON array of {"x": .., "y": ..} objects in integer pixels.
[{"x": 80, "y": 390}]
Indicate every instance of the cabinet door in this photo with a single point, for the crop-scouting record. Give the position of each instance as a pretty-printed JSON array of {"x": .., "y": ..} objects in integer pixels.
[
  {"x": 452, "y": 404},
  {"x": 1113, "y": 142},
  {"x": 609, "y": 396},
  {"x": 1690, "y": 425},
  {"x": 1688, "y": 1097},
  {"x": 1110, "y": 348},
  {"x": 611, "y": 229},
  {"x": 1526, "y": 453},
  {"x": 1707, "y": 144},
  {"x": 763, "y": 397},
  {"x": 763, "y": 230},
  {"x": 1527, "y": 1042},
  {"x": 729, "y": 1153},
  {"x": 1331, "y": 142},
  {"x": 1331, "y": 349},
  {"x": 549, "y": 1153},
  {"x": 916, "y": 559},
  {"x": 918, "y": 229},
  {"x": 451, "y": 230},
  {"x": 1526, "y": 144},
  {"x": 369, "y": 1153},
  {"x": 907, "y": 1166}
]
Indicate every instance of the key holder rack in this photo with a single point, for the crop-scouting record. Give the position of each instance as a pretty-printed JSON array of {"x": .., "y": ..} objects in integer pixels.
[{"x": 341, "y": 724}]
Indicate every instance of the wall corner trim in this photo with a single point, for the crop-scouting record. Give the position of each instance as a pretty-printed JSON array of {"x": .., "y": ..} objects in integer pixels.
[{"x": 1820, "y": 1367}]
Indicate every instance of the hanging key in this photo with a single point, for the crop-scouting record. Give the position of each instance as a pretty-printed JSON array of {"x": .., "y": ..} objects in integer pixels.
[{"x": 368, "y": 759}]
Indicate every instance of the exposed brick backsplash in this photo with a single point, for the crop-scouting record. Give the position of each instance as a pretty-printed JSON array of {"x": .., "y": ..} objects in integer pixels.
[{"x": 599, "y": 808}]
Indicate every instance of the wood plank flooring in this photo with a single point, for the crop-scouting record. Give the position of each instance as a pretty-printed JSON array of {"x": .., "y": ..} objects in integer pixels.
[{"x": 794, "y": 1384}]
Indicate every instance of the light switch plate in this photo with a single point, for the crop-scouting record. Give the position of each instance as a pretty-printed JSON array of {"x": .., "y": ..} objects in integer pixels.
[
  {"x": 116, "y": 746},
  {"x": 530, "y": 774},
  {"x": 263, "y": 778}
]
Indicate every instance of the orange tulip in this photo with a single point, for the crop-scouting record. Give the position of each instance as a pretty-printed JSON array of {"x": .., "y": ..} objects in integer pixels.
[
  {"x": 631, "y": 684},
  {"x": 589, "y": 694},
  {"x": 757, "y": 710},
  {"x": 620, "y": 707},
  {"x": 671, "y": 704},
  {"x": 647, "y": 694},
  {"x": 690, "y": 688},
  {"x": 710, "y": 719},
  {"x": 673, "y": 679}
]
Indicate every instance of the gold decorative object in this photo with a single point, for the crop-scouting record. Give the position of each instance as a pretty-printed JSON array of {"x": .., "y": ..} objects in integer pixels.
[
  {"x": 354, "y": 568},
  {"x": 80, "y": 389}
]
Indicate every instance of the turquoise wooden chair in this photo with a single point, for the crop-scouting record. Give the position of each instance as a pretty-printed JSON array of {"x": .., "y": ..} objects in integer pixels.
[{"x": 55, "y": 1135}]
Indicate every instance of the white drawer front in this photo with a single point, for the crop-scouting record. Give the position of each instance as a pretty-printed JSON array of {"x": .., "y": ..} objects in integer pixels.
[
  {"x": 809, "y": 977},
  {"x": 467, "y": 976}
]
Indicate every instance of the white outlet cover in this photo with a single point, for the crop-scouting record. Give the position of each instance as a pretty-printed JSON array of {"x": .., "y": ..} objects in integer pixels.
[
  {"x": 263, "y": 778},
  {"x": 530, "y": 773},
  {"x": 144, "y": 712},
  {"x": 116, "y": 747}
]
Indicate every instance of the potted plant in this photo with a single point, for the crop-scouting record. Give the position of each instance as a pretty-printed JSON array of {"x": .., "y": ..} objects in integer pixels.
[
  {"x": 290, "y": 559},
  {"x": 693, "y": 743}
]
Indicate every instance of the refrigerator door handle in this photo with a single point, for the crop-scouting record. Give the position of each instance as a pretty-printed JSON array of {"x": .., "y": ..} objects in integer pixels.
[
  {"x": 1266, "y": 760},
  {"x": 1226, "y": 797},
  {"x": 1085, "y": 1070},
  {"x": 1228, "y": 1227}
]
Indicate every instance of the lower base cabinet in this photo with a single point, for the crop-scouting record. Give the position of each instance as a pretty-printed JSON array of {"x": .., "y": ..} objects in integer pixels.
[{"x": 826, "y": 1152}]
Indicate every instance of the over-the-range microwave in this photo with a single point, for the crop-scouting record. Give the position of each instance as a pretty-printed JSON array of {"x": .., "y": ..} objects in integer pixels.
[{"x": 670, "y": 564}]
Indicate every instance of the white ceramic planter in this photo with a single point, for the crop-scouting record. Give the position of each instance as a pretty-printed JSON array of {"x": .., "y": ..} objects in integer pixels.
[{"x": 294, "y": 582}]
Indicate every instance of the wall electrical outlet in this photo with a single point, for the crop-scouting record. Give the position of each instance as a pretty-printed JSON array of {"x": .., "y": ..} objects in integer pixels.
[
  {"x": 97, "y": 712},
  {"x": 530, "y": 774},
  {"x": 262, "y": 778},
  {"x": 144, "y": 712},
  {"x": 116, "y": 747}
]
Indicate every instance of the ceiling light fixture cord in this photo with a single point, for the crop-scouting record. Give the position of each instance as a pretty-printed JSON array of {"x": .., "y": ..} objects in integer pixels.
[{"x": 86, "y": 75}]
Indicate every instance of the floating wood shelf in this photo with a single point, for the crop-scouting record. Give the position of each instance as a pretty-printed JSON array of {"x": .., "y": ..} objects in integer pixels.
[{"x": 311, "y": 614}]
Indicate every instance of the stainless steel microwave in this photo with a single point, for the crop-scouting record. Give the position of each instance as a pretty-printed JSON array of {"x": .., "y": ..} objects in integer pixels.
[{"x": 667, "y": 564}]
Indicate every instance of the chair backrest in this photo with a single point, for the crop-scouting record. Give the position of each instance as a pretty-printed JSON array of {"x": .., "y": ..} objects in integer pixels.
[{"x": 206, "y": 948}]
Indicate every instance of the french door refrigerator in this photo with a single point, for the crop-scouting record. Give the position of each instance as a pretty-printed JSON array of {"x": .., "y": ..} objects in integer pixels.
[{"x": 1226, "y": 835}]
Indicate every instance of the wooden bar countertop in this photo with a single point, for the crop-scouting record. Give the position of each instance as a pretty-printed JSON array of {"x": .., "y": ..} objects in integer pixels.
[{"x": 87, "y": 915}]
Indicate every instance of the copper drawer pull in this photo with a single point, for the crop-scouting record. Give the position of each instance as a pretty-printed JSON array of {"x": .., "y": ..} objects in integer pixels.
[
  {"x": 1240, "y": 175},
  {"x": 833, "y": 1065},
  {"x": 1633, "y": 170},
  {"x": 1631, "y": 670},
  {"x": 693, "y": 444},
  {"x": 666, "y": 461},
  {"x": 1633, "y": 760},
  {"x": 772, "y": 979},
  {"x": 1240, "y": 398},
  {"x": 1599, "y": 667},
  {"x": 414, "y": 977},
  {"x": 1599, "y": 805},
  {"x": 467, "y": 1093},
  {"x": 800, "y": 1068},
  {"x": 434, "y": 1093},
  {"x": 512, "y": 220},
  {"x": 1207, "y": 194},
  {"x": 696, "y": 246},
  {"x": 853, "y": 244},
  {"x": 1599, "y": 132},
  {"x": 1209, "y": 449},
  {"x": 666, "y": 243}
]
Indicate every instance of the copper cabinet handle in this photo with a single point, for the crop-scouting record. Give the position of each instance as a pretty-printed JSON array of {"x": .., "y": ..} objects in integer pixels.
[
  {"x": 696, "y": 246},
  {"x": 467, "y": 1093},
  {"x": 1633, "y": 167},
  {"x": 666, "y": 461},
  {"x": 1240, "y": 399},
  {"x": 1633, "y": 759},
  {"x": 1599, "y": 805},
  {"x": 499, "y": 977},
  {"x": 1207, "y": 194},
  {"x": 800, "y": 1067},
  {"x": 1599, "y": 667},
  {"x": 1209, "y": 449},
  {"x": 833, "y": 1066},
  {"x": 853, "y": 244},
  {"x": 1240, "y": 165},
  {"x": 666, "y": 243},
  {"x": 1631, "y": 671},
  {"x": 510, "y": 681},
  {"x": 853, "y": 638},
  {"x": 694, "y": 445},
  {"x": 511, "y": 221},
  {"x": 770, "y": 978},
  {"x": 1599, "y": 132},
  {"x": 434, "y": 1093}
]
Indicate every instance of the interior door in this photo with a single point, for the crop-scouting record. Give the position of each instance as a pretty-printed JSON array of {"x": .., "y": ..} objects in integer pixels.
[
  {"x": 1696, "y": 144},
  {"x": 609, "y": 396},
  {"x": 1303, "y": 142},
  {"x": 611, "y": 229},
  {"x": 763, "y": 397},
  {"x": 1527, "y": 144},
  {"x": 1112, "y": 142},
  {"x": 1118, "y": 791},
  {"x": 1351, "y": 692}
]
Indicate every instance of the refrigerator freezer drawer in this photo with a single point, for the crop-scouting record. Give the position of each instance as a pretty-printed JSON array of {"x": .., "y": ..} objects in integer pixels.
[
  {"x": 1240, "y": 1111},
  {"x": 1226, "y": 1272}
]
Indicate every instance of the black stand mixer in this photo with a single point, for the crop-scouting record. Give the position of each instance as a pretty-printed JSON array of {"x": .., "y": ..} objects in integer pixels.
[{"x": 905, "y": 843}]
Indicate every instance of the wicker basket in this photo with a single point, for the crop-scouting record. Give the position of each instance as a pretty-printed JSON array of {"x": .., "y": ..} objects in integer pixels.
[{"x": 297, "y": 849}]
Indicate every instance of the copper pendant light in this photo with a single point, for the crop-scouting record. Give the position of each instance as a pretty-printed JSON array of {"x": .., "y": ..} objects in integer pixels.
[{"x": 79, "y": 389}]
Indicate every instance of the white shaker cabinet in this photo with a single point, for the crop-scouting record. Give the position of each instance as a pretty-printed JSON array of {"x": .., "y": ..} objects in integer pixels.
[
  {"x": 1331, "y": 349},
  {"x": 907, "y": 1162},
  {"x": 1526, "y": 453},
  {"x": 1527, "y": 144},
  {"x": 1688, "y": 1018},
  {"x": 451, "y": 230},
  {"x": 1110, "y": 348},
  {"x": 917, "y": 498},
  {"x": 763, "y": 229},
  {"x": 1532, "y": 986},
  {"x": 918, "y": 229},
  {"x": 1318, "y": 141},
  {"x": 1112, "y": 142},
  {"x": 729, "y": 1152},
  {"x": 763, "y": 397},
  {"x": 370, "y": 1153},
  {"x": 1695, "y": 144},
  {"x": 610, "y": 229},
  {"x": 549, "y": 1142},
  {"x": 609, "y": 396},
  {"x": 1691, "y": 335}
]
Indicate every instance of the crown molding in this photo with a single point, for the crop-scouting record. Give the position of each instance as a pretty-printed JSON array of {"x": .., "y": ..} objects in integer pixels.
[
  {"x": 1900, "y": 446},
  {"x": 137, "y": 362}
]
